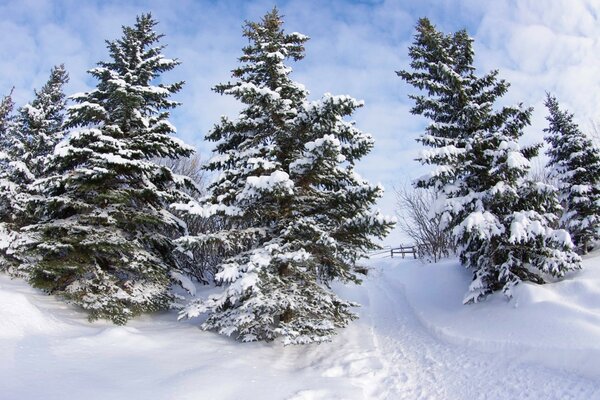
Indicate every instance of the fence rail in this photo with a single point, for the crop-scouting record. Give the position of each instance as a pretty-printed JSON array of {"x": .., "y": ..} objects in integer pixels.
[{"x": 404, "y": 251}]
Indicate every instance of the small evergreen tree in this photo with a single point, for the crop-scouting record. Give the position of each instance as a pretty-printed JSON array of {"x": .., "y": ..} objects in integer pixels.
[
  {"x": 105, "y": 236},
  {"x": 575, "y": 164},
  {"x": 500, "y": 221},
  {"x": 297, "y": 215}
]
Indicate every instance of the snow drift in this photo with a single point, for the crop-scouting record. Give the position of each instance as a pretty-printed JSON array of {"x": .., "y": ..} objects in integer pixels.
[{"x": 414, "y": 340}]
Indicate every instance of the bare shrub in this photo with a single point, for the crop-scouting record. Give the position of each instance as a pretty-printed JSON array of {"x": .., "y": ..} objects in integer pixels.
[
  {"x": 424, "y": 227},
  {"x": 595, "y": 134},
  {"x": 540, "y": 173}
]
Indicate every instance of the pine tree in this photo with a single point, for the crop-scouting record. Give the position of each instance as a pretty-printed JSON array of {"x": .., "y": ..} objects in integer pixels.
[
  {"x": 7, "y": 186},
  {"x": 298, "y": 213},
  {"x": 6, "y": 108},
  {"x": 442, "y": 66},
  {"x": 575, "y": 164},
  {"x": 7, "y": 122},
  {"x": 39, "y": 125},
  {"x": 33, "y": 134},
  {"x": 105, "y": 236},
  {"x": 500, "y": 221}
]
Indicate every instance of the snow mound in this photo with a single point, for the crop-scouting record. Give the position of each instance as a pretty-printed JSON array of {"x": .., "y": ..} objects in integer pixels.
[
  {"x": 414, "y": 340},
  {"x": 20, "y": 317},
  {"x": 556, "y": 325}
]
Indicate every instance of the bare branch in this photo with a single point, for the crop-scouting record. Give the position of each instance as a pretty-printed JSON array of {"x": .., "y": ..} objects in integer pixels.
[
  {"x": 594, "y": 133},
  {"x": 540, "y": 173},
  {"x": 417, "y": 222}
]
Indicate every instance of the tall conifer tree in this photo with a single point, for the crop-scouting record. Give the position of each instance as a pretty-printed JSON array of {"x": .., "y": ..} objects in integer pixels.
[
  {"x": 501, "y": 222},
  {"x": 6, "y": 108},
  {"x": 35, "y": 131},
  {"x": 39, "y": 125},
  {"x": 105, "y": 236},
  {"x": 299, "y": 214},
  {"x": 575, "y": 164},
  {"x": 7, "y": 186}
]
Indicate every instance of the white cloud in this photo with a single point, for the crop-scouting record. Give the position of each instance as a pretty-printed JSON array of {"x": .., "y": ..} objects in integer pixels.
[{"x": 545, "y": 46}]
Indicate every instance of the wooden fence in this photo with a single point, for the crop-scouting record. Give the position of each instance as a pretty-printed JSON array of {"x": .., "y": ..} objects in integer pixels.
[{"x": 404, "y": 250}]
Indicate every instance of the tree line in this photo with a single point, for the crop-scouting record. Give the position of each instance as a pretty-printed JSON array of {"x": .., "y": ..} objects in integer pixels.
[{"x": 101, "y": 205}]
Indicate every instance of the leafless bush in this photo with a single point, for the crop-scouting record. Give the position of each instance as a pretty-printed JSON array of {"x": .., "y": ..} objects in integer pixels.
[
  {"x": 187, "y": 166},
  {"x": 595, "y": 134},
  {"x": 423, "y": 227},
  {"x": 540, "y": 173}
]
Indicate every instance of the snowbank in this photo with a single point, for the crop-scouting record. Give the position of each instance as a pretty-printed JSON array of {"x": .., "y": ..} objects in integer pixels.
[
  {"x": 48, "y": 350},
  {"x": 414, "y": 340},
  {"x": 556, "y": 325}
]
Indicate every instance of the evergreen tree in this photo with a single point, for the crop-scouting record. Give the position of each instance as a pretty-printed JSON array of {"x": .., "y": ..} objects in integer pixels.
[
  {"x": 105, "y": 236},
  {"x": 575, "y": 164},
  {"x": 442, "y": 66},
  {"x": 298, "y": 214},
  {"x": 501, "y": 222},
  {"x": 6, "y": 108},
  {"x": 36, "y": 129},
  {"x": 7, "y": 186},
  {"x": 39, "y": 125}
]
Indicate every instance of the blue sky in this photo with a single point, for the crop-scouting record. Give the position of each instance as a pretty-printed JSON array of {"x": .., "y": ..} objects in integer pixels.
[{"x": 355, "y": 47}]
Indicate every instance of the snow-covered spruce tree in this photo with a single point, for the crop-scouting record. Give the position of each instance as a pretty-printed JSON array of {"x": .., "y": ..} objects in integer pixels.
[
  {"x": 39, "y": 125},
  {"x": 575, "y": 164},
  {"x": 7, "y": 185},
  {"x": 105, "y": 235},
  {"x": 500, "y": 221},
  {"x": 6, "y": 108},
  {"x": 36, "y": 129},
  {"x": 297, "y": 214}
]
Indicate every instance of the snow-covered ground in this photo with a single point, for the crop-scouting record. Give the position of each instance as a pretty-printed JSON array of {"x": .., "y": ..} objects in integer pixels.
[{"x": 414, "y": 340}]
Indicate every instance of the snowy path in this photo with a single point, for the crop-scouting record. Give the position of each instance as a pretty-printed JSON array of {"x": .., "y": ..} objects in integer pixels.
[
  {"x": 389, "y": 354},
  {"x": 48, "y": 351}
]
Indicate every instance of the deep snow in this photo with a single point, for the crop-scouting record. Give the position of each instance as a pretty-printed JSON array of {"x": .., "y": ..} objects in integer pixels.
[{"x": 414, "y": 340}]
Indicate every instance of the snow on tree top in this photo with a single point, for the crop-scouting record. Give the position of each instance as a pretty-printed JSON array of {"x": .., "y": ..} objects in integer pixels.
[
  {"x": 299, "y": 36},
  {"x": 483, "y": 224},
  {"x": 277, "y": 180},
  {"x": 515, "y": 159}
]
